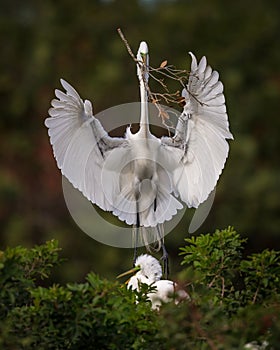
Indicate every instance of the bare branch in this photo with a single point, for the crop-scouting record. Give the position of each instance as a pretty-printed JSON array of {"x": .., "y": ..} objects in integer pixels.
[
  {"x": 164, "y": 71},
  {"x": 256, "y": 294},
  {"x": 223, "y": 287},
  {"x": 126, "y": 44}
]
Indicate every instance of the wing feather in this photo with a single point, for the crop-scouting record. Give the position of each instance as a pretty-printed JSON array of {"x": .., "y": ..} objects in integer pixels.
[
  {"x": 200, "y": 136},
  {"x": 80, "y": 143}
]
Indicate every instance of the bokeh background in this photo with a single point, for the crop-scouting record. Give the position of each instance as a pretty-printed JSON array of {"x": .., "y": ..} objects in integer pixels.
[{"x": 42, "y": 41}]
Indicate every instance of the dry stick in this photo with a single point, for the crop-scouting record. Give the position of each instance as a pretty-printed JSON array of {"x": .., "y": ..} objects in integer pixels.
[
  {"x": 223, "y": 287},
  {"x": 126, "y": 44},
  {"x": 160, "y": 81},
  {"x": 161, "y": 113},
  {"x": 135, "y": 59},
  {"x": 173, "y": 73},
  {"x": 168, "y": 72},
  {"x": 256, "y": 294}
]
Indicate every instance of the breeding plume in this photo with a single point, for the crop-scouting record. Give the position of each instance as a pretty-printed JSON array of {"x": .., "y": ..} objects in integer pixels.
[
  {"x": 148, "y": 270},
  {"x": 140, "y": 178}
]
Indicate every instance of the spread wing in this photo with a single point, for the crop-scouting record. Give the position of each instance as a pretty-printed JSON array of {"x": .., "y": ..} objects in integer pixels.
[
  {"x": 80, "y": 144},
  {"x": 100, "y": 166},
  {"x": 200, "y": 136}
]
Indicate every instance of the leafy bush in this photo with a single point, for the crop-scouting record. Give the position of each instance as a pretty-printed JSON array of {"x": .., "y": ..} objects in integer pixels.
[
  {"x": 233, "y": 301},
  {"x": 97, "y": 314}
]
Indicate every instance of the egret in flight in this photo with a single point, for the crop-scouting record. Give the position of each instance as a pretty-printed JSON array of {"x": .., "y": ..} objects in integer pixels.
[
  {"x": 139, "y": 177},
  {"x": 148, "y": 270}
]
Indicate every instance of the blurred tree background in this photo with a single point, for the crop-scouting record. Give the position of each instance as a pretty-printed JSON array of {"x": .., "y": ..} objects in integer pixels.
[{"x": 42, "y": 41}]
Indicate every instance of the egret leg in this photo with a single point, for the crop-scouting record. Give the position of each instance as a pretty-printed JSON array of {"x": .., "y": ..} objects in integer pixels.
[
  {"x": 134, "y": 255},
  {"x": 164, "y": 258},
  {"x": 136, "y": 237},
  {"x": 135, "y": 247}
]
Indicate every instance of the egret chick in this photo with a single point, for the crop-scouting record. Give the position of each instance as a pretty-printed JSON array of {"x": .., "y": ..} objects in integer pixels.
[{"x": 148, "y": 270}]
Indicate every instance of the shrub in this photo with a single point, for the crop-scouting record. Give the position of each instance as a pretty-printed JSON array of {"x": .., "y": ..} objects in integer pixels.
[{"x": 233, "y": 301}]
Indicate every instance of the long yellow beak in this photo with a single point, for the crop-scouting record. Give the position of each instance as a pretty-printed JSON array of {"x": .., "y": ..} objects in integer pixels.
[{"x": 133, "y": 270}]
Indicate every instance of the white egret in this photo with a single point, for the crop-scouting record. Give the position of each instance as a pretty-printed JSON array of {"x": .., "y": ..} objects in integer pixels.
[
  {"x": 148, "y": 270},
  {"x": 139, "y": 176},
  {"x": 254, "y": 345}
]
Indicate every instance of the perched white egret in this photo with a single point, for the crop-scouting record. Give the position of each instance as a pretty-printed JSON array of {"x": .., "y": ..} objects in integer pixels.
[
  {"x": 139, "y": 176},
  {"x": 148, "y": 270}
]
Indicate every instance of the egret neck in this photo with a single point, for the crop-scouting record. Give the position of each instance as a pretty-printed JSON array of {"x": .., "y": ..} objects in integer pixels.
[{"x": 143, "y": 76}]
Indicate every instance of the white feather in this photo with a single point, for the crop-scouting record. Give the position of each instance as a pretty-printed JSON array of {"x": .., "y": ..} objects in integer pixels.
[
  {"x": 201, "y": 133},
  {"x": 96, "y": 164},
  {"x": 150, "y": 273},
  {"x": 137, "y": 177},
  {"x": 75, "y": 136}
]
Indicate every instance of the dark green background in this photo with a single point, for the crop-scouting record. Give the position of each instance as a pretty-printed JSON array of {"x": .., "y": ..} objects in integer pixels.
[{"x": 42, "y": 41}]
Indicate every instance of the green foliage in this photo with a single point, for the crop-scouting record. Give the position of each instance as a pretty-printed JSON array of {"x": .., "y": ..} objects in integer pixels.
[
  {"x": 261, "y": 274},
  {"x": 216, "y": 261},
  {"x": 235, "y": 298},
  {"x": 233, "y": 301},
  {"x": 97, "y": 314},
  {"x": 20, "y": 268}
]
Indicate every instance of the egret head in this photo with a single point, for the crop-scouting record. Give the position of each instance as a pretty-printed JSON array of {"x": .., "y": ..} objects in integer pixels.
[
  {"x": 149, "y": 267},
  {"x": 143, "y": 50},
  {"x": 146, "y": 266},
  {"x": 143, "y": 61}
]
